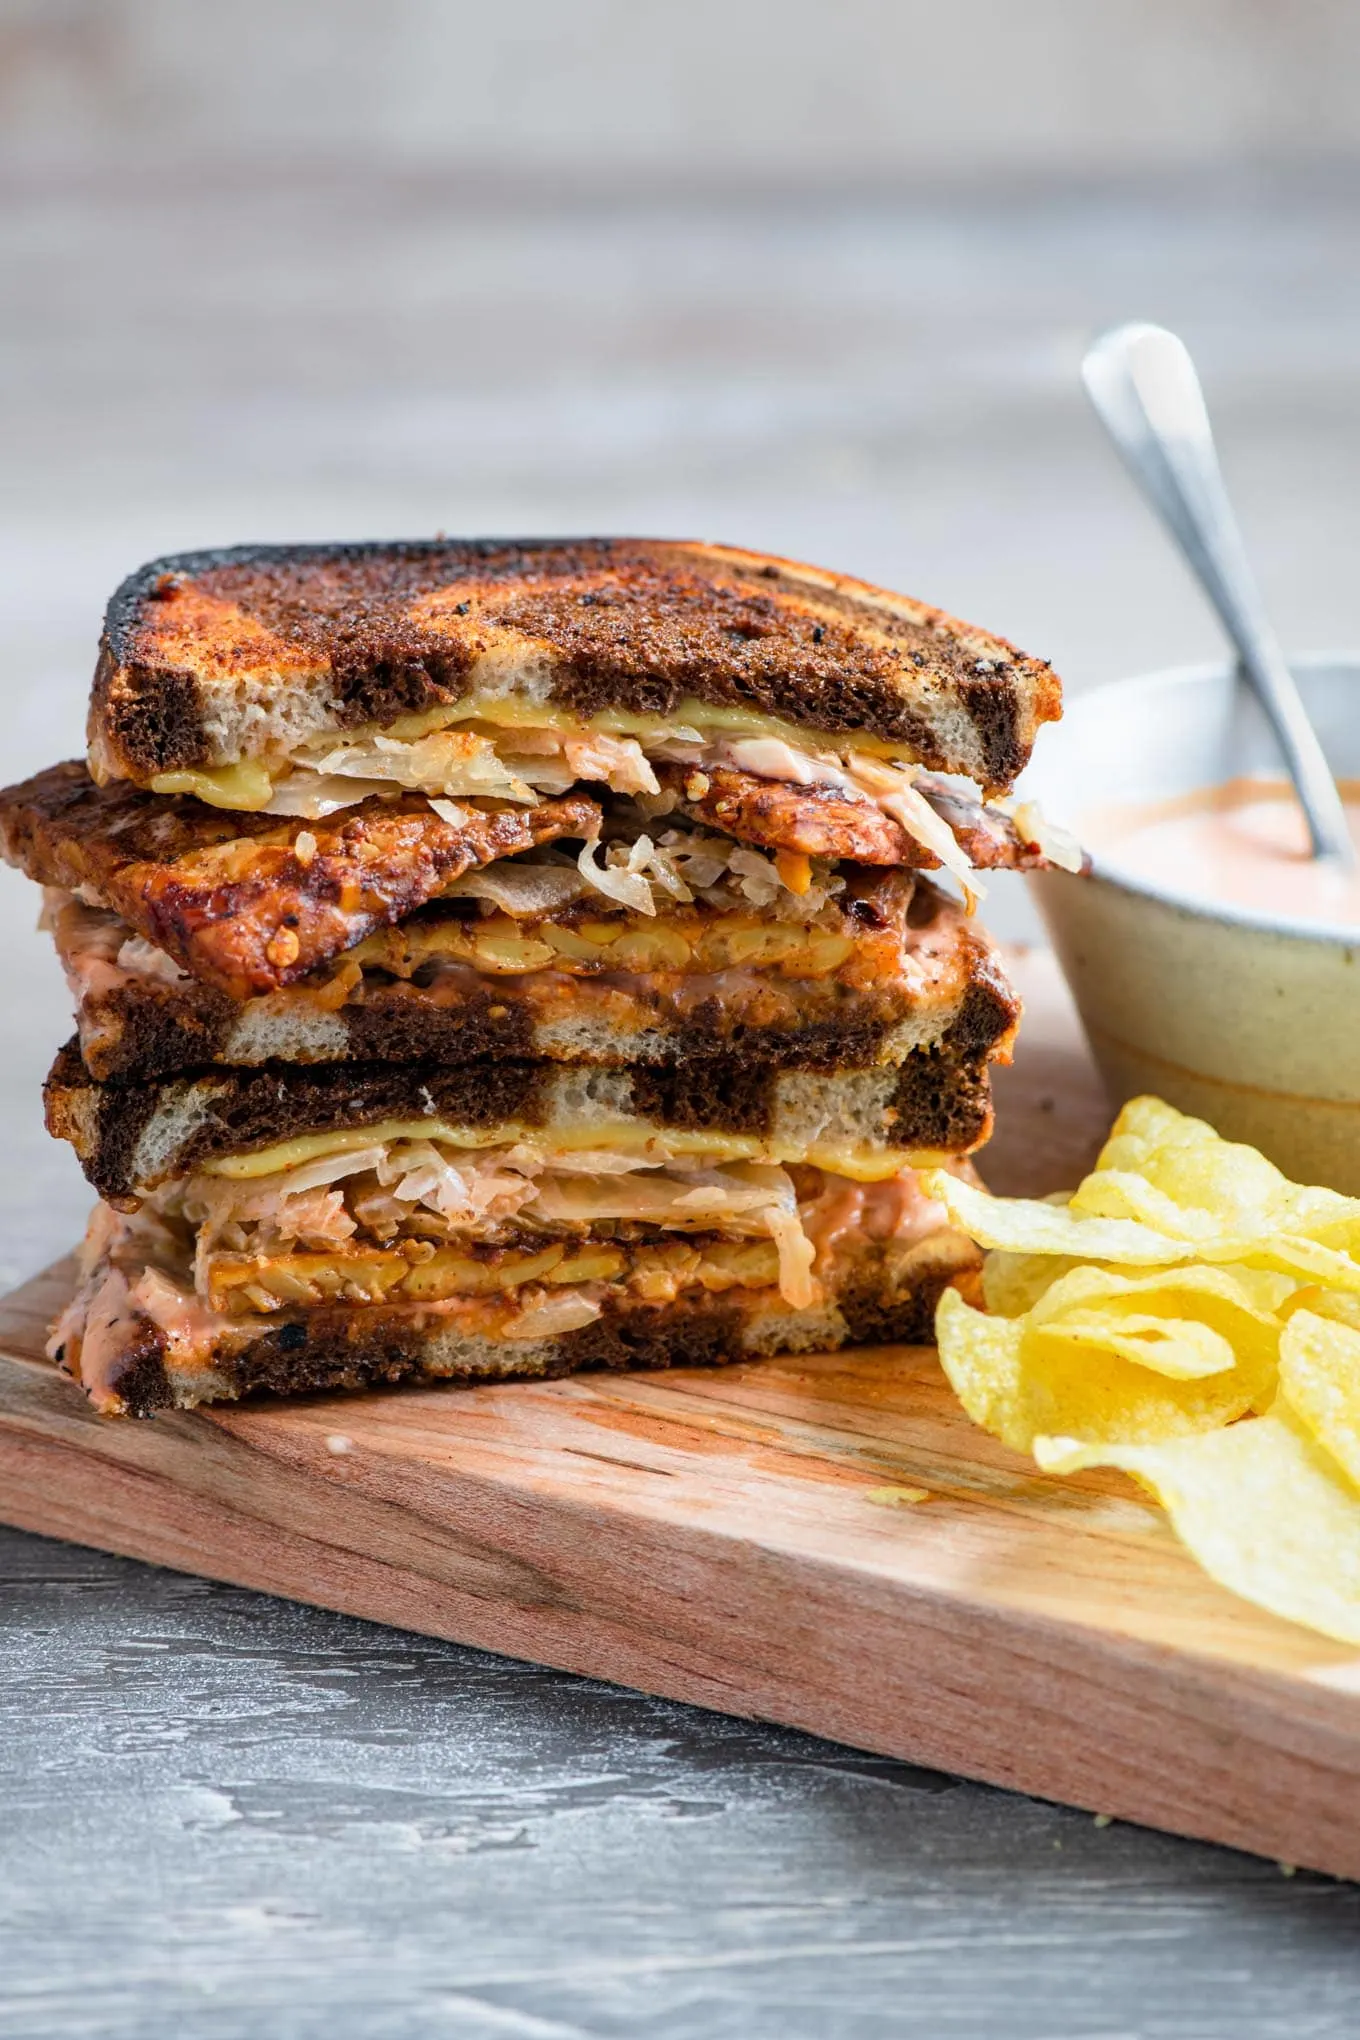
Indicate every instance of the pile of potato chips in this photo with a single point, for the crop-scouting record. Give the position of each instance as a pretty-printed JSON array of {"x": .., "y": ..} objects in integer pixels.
[{"x": 1191, "y": 1316}]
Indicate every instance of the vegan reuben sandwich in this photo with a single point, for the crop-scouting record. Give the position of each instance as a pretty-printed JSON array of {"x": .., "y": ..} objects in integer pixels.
[{"x": 501, "y": 959}]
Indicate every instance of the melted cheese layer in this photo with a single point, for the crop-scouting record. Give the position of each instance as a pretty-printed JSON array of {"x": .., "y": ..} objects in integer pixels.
[{"x": 860, "y": 1161}]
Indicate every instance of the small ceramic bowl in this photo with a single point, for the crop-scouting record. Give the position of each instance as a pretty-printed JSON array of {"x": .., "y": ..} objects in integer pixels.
[{"x": 1244, "y": 1019}]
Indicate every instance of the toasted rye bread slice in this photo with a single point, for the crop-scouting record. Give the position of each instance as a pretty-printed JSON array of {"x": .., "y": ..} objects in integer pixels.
[
  {"x": 861, "y": 1123},
  {"x": 941, "y": 988},
  {"x": 251, "y": 902},
  {"x": 130, "y": 1363},
  {"x": 212, "y": 657}
]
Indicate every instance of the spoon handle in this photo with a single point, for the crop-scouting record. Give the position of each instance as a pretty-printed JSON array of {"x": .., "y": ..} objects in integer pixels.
[{"x": 1144, "y": 386}]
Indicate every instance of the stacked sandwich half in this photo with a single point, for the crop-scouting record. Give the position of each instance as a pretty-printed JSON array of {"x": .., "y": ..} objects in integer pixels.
[{"x": 500, "y": 959}]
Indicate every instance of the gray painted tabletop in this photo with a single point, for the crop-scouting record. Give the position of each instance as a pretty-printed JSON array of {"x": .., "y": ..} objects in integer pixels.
[{"x": 223, "y": 1815}]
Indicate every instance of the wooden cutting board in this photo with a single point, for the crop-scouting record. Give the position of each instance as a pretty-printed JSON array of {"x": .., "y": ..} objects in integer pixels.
[{"x": 824, "y": 1542}]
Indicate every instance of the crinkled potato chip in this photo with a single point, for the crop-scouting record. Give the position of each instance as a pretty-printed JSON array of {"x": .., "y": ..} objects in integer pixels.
[
  {"x": 1117, "y": 1193},
  {"x": 1234, "y": 1309},
  {"x": 1178, "y": 1347},
  {"x": 1343, "y": 1305},
  {"x": 1191, "y": 1316},
  {"x": 1307, "y": 1257},
  {"x": 1256, "y": 1292},
  {"x": 1018, "y": 1382},
  {"x": 1259, "y": 1505},
  {"x": 1013, "y": 1283},
  {"x": 981, "y": 1357},
  {"x": 1163, "y": 1169},
  {"x": 1021, "y": 1225},
  {"x": 1219, "y": 1187},
  {"x": 1320, "y": 1380}
]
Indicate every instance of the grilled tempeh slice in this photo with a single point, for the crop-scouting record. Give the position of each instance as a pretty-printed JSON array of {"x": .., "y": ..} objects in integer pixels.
[
  {"x": 249, "y": 903},
  {"x": 826, "y": 821}
]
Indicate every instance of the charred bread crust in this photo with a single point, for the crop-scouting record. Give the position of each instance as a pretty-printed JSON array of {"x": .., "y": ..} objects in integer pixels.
[
  {"x": 338, "y": 1349},
  {"x": 874, "y": 1317},
  {"x": 144, "y": 1029},
  {"x": 138, "y": 1384},
  {"x": 635, "y": 624},
  {"x": 130, "y": 1136}
]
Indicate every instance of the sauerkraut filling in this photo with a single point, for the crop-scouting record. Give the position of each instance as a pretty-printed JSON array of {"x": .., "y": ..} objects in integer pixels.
[
  {"x": 137, "y": 1275},
  {"x": 414, "y": 1220},
  {"x": 514, "y": 752},
  {"x": 387, "y": 1211},
  {"x": 644, "y": 866}
]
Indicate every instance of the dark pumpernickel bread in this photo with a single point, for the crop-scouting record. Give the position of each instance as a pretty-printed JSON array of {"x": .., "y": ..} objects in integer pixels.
[{"x": 130, "y": 1137}]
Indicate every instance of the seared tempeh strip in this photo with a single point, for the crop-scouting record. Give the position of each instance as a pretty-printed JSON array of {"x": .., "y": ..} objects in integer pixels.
[
  {"x": 828, "y": 821},
  {"x": 249, "y": 903},
  {"x": 777, "y": 814}
]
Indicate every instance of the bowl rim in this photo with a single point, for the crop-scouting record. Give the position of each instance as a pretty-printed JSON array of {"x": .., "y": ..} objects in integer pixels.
[{"x": 1326, "y": 934}]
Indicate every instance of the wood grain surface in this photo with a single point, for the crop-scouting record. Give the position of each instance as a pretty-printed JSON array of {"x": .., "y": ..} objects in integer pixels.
[{"x": 822, "y": 1542}]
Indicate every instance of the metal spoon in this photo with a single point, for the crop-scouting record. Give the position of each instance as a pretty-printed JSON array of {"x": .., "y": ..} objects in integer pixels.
[{"x": 1143, "y": 384}]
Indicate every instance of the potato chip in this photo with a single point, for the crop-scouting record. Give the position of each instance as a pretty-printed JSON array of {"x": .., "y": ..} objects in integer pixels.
[
  {"x": 1191, "y": 1316},
  {"x": 1163, "y": 1169},
  {"x": 1218, "y": 1186},
  {"x": 1117, "y": 1193},
  {"x": 1256, "y": 1293},
  {"x": 1179, "y": 1347},
  {"x": 981, "y": 1356},
  {"x": 1320, "y": 1380},
  {"x": 1013, "y": 1283},
  {"x": 1021, "y": 1225},
  {"x": 1343, "y": 1305},
  {"x": 1018, "y": 1382},
  {"x": 1208, "y": 1317},
  {"x": 1259, "y": 1505},
  {"x": 1308, "y": 1257}
]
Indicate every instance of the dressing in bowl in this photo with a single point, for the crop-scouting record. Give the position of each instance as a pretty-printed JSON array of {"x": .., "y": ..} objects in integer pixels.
[{"x": 1211, "y": 962}]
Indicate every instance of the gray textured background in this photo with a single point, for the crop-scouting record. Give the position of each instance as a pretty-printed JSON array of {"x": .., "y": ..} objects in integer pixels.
[
  {"x": 784, "y": 92},
  {"x": 813, "y": 278}
]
